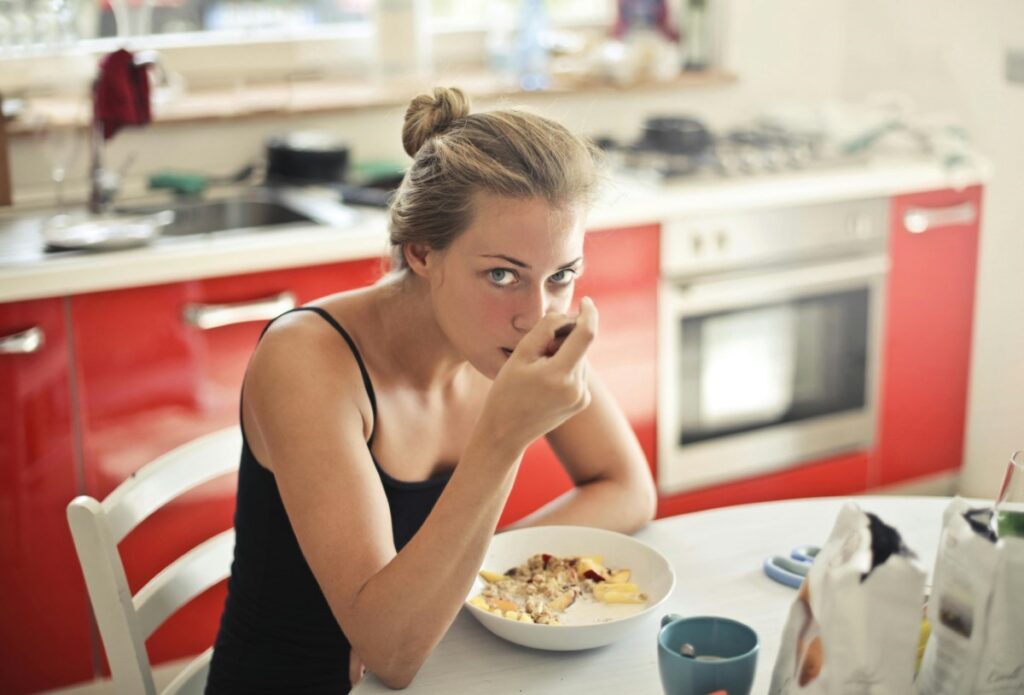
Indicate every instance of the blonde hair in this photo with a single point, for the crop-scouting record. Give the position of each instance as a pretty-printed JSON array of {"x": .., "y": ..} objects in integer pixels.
[{"x": 457, "y": 154}]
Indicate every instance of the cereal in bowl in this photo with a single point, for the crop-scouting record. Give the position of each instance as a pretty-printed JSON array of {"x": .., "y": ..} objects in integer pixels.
[{"x": 545, "y": 586}]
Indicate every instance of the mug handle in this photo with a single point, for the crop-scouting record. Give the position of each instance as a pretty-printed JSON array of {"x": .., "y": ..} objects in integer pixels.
[{"x": 670, "y": 618}]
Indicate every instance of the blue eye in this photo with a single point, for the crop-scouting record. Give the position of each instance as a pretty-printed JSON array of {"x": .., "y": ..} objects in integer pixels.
[
  {"x": 563, "y": 276},
  {"x": 501, "y": 276}
]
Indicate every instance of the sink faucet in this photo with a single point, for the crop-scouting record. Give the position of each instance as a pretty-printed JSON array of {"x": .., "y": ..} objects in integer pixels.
[{"x": 104, "y": 183}]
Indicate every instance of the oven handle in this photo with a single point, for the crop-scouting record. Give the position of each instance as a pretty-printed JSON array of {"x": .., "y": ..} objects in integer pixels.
[
  {"x": 715, "y": 295},
  {"x": 920, "y": 220}
]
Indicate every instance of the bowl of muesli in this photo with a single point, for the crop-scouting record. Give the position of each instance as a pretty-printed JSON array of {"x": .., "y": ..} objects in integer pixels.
[{"x": 565, "y": 588}]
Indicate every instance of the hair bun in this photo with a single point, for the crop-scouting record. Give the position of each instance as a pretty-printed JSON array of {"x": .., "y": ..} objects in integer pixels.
[{"x": 428, "y": 116}]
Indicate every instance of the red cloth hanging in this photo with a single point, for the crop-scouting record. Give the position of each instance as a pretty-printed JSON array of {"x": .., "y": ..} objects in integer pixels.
[{"x": 120, "y": 93}]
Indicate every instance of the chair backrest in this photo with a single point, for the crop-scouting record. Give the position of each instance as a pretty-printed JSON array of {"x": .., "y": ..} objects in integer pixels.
[{"x": 126, "y": 621}]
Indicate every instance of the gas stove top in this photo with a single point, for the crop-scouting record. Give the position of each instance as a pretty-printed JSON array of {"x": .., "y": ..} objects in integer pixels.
[{"x": 750, "y": 151}]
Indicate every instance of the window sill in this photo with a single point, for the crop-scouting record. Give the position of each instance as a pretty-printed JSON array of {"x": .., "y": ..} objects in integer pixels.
[{"x": 303, "y": 97}]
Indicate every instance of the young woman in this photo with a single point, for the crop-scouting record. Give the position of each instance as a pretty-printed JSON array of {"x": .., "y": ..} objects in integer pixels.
[{"x": 383, "y": 427}]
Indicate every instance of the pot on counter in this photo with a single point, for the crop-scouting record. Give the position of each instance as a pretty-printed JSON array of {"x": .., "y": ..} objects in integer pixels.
[
  {"x": 675, "y": 135},
  {"x": 306, "y": 157}
]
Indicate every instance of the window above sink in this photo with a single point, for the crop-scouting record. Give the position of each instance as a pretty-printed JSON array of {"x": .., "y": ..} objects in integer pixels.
[{"x": 226, "y": 42}]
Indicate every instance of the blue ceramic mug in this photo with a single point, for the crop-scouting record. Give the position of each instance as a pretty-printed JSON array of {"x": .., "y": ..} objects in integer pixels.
[{"x": 724, "y": 655}]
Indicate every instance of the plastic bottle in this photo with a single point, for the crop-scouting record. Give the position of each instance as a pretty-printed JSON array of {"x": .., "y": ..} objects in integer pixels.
[
  {"x": 502, "y": 27},
  {"x": 532, "y": 53},
  {"x": 403, "y": 41},
  {"x": 697, "y": 31}
]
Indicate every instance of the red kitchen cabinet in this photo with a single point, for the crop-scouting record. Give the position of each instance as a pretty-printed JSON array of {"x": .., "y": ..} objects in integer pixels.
[
  {"x": 846, "y": 474},
  {"x": 44, "y": 627},
  {"x": 933, "y": 247},
  {"x": 149, "y": 380},
  {"x": 621, "y": 276}
]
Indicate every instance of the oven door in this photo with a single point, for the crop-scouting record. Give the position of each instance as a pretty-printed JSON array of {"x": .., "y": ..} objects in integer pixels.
[{"x": 766, "y": 371}]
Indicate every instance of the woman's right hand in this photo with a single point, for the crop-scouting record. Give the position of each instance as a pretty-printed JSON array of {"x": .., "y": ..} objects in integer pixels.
[{"x": 536, "y": 391}]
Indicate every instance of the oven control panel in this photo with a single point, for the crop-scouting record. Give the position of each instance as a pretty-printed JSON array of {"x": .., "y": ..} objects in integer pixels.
[{"x": 772, "y": 236}]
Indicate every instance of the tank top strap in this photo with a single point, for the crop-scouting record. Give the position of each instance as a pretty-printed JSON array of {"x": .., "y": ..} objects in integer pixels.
[{"x": 355, "y": 351}]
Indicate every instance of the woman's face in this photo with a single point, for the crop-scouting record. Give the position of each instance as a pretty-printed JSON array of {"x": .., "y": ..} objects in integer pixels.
[{"x": 517, "y": 261}]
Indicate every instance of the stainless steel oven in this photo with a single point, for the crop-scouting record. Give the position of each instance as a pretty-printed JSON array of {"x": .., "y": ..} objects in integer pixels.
[{"x": 770, "y": 326}]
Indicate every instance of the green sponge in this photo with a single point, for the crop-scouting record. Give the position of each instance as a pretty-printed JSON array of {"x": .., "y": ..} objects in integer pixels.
[{"x": 182, "y": 183}]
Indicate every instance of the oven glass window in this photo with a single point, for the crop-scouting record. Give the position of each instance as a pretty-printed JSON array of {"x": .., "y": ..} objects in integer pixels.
[{"x": 751, "y": 368}]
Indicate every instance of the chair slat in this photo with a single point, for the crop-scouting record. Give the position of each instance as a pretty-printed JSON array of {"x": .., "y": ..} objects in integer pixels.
[
  {"x": 169, "y": 476},
  {"x": 184, "y": 579},
  {"x": 192, "y": 679}
]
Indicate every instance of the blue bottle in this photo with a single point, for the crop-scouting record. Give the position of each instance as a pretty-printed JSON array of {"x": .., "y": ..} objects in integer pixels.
[{"x": 532, "y": 53}]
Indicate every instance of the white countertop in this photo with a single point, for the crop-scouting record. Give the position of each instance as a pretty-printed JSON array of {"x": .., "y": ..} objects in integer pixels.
[
  {"x": 717, "y": 557},
  {"x": 626, "y": 201}
]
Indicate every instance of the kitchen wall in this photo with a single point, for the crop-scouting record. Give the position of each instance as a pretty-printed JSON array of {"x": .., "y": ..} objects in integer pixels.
[
  {"x": 949, "y": 56},
  {"x": 946, "y": 55}
]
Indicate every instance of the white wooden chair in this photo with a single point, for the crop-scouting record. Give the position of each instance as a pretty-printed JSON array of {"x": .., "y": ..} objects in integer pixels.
[{"x": 126, "y": 621}]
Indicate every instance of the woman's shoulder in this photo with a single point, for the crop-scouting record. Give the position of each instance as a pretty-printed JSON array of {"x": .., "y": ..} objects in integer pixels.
[
  {"x": 316, "y": 339},
  {"x": 303, "y": 352},
  {"x": 321, "y": 322},
  {"x": 302, "y": 374}
]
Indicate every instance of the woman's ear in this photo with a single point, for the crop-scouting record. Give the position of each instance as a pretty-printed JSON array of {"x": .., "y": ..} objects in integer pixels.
[{"x": 417, "y": 256}]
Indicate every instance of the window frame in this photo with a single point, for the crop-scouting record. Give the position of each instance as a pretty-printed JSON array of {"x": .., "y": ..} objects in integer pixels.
[{"x": 237, "y": 57}]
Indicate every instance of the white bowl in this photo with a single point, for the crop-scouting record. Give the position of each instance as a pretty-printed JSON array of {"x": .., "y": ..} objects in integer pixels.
[{"x": 590, "y": 626}]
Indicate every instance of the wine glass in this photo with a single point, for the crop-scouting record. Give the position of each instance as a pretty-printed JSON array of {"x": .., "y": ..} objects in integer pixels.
[{"x": 61, "y": 147}]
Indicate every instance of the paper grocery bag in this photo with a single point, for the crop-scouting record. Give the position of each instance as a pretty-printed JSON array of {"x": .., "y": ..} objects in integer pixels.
[
  {"x": 976, "y": 610},
  {"x": 855, "y": 623}
]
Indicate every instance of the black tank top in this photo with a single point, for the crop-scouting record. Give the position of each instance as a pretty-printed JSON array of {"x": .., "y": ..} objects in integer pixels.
[{"x": 277, "y": 633}]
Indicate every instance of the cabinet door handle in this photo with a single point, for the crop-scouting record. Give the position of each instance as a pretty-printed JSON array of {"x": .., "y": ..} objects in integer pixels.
[
  {"x": 918, "y": 220},
  {"x": 207, "y": 316},
  {"x": 24, "y": 343}
]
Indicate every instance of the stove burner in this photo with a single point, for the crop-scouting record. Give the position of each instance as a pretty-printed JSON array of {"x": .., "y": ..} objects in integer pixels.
[{"x": 745, "y": 151}]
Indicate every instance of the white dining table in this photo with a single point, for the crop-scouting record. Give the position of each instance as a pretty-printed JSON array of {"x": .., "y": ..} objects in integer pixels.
[{"x": 717, "y": 556}]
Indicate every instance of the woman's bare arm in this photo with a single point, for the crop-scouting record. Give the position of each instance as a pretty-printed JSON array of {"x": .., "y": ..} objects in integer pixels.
[
  {"x": 395, "y": 607},
  {"x": 614, "y": 487}
]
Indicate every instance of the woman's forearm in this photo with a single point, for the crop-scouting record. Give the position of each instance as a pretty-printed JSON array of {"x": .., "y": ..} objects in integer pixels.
[
  {"x": 404, "y": 610},
  {"x": 604, "y": 503}
]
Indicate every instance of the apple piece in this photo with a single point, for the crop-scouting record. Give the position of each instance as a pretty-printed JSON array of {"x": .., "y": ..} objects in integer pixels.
[
  {"x": 491, "y": 577},
  {"x": 622, "y": 597},
  {"x": 619, "y": 577},
  {"x": 479, "y": 602},
  {"x": 504, "y": 604},
  {"x": 607, "y": 588},
  {"x": 560, "y": 603}
]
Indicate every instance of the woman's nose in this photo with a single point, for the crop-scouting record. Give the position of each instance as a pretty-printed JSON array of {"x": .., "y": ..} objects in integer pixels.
[{"x": 532, "y": 306}]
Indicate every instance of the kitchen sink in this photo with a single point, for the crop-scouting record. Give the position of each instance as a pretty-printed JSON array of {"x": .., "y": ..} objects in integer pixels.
[
  {"x": 50, "y": 233},
  {"x": 206, "y": 216},
  {"x": 213, "y": 216}
]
